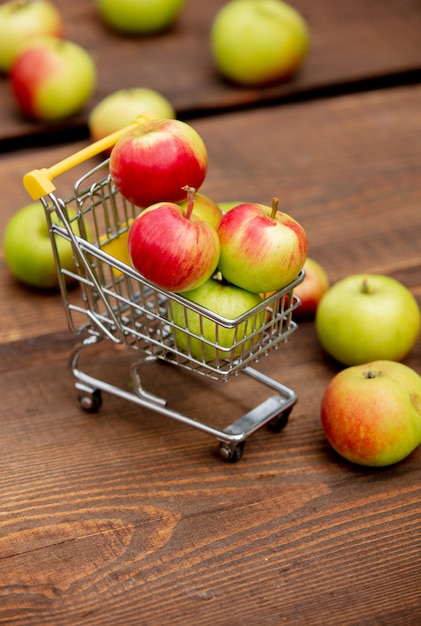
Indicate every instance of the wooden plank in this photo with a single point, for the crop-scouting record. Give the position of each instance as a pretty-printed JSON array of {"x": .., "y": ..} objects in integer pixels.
[
  {"x": 347, "y": 168},
  {"x": 127, "y": 517},
  {"x": 351, "y": 43}
]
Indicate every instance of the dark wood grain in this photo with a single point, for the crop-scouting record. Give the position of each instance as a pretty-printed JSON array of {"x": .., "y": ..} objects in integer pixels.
[
  {"x": 351, "y": 45},
  {"x": 127, "y": 517}
]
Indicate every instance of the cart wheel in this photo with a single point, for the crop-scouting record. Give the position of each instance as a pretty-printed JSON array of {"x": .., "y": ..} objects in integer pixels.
[
  {"x": 91, "y": 402},
  {"x": 279, "y": 422},
  {"x": 231, "y": 454}
]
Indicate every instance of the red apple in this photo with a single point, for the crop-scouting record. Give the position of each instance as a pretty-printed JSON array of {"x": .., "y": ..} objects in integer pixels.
[
  {"x": 311, "y": 290},
  {"x": 371, "y": 413},
  {"x": 52, "y": 79},
  {"x": 262, "y": 249},
  {"x": 154, "y": 161},
  {"x": 172, "y": 248},
  {"x": 21, "y": 21}
]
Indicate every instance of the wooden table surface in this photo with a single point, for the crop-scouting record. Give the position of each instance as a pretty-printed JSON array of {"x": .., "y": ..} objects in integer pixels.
[{"x": 126, "y": 517}]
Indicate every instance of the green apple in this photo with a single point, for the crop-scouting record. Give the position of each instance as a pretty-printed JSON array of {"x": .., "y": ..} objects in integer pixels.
[
  {"x": 121, "y": 107},
  {"x": 204, "y": 208},
  {"x": 52, "y": 79},
  {"x": 28, "y": 251},
  {"x": 227, "y": 205},
  {"x": 257, "y": 42},
  {"x": 225, "y": 300},
  {"x": 139, "y": 17},
  {"x": 21, "y": 21},
  {"x": 367, "y": 317},
  {"x": 311, "y": 290},
  {"x": 371, "y": 413}
]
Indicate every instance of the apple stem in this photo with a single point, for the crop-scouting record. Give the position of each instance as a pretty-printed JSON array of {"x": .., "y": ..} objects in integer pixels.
[
  {"x": 275, "y": 204},
  {"x": 364, "y": 286},
  {"x": 190, "y": 200}
]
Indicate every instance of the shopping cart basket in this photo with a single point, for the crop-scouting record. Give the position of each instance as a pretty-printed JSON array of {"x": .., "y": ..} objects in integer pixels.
[{"x": 113, "y": 302}]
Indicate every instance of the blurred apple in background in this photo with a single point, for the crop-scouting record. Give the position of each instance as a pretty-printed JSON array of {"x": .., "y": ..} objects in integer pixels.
[
  {"x": 172, "y": 248},
  {"x": 371, "y": 413},
  {"x": 311, "y": 290},
  {"x": 21, "y": 21},
  {"x": 52, "y": 79},
  {"x": 262, "y": 249},
  {"x": 226, "y": 301},
  {"x": 121, "y": 107},
  {"x": 28, "y": 251},
  {"x": 156, "y": 160},
  {"x": 257, "y": 42},
  {"x": 205, "y": 208},
  {"x": 367, "y": 317},
  {"x": 139, "y": 17}
]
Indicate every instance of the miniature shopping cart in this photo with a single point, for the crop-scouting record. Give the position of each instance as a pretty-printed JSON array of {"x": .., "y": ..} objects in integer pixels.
[{"x": 112, "y": 301}]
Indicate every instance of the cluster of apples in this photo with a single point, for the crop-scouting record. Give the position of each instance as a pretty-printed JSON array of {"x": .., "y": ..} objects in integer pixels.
[
  {"x": 51, "y": 78},
  {"x": 181, "y": 239},
  {"x": 252, "y": 42}
]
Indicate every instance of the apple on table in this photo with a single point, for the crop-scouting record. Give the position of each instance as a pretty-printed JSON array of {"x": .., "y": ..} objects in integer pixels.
[
  {"x": 28, "y": 251},
  {"x": 311, "y": 290},
  {"x": 22, "y": 21},
  {"x": 367, "y": 317},
  {"x": 371, "y": 413},
  {"x": 225, "y": 300},
  {"x": 119, "y": 108},
  {"x": 257, "y": 42},
  {"x": 262, "y": 248},
  {"x": 52, "y": 79},
  {"x": 156, "y": 160},
  {"x": 139, "y": 17}
]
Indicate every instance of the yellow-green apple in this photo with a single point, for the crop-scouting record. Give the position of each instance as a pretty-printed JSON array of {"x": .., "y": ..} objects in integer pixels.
[
  {"x": 366, "y": 317},
  {"x": 227, "y": 301},
  {"x": 257, "y": 42},
  {"x": 227, "y": 205},
  {"x": 371, "y": 413},
  {"x": 21, "y": 21},
  {"x": 262, "y": 248},
  {"x": 311, "y": 290},
  {"x": 139, "y": 17},
  {"x": 121, "y": 107},
  {"x": 204, "y": 208},
  {"x": 52, "y": 79},
  {"x": 156, "y": 160},
  {"x": 28, "y": 251},
  {"x": 172, "y": 248}
]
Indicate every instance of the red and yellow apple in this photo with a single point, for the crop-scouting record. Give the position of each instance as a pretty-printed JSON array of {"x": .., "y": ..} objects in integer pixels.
[
  {"x": 139, "y": 17},
  {"x": 371, "y": 413},
  {"x": 367, "y": 317},
  {"x": 262, "y": 249},
  {"x": 212, "y": 340},
  {"x": 156, "y": 160},
  {"x": 22, "y": 21},
  {"x": 172, "y": 248},
  {"x": 121, "y": 107},
  {"x": 311, "y": 290},
  {"x": 52, "y": 79},
  {"x": 256, "y": 42}
]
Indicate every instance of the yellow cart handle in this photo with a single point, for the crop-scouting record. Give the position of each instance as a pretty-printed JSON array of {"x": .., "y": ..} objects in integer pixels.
[{"x": 39, "y": 183}]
